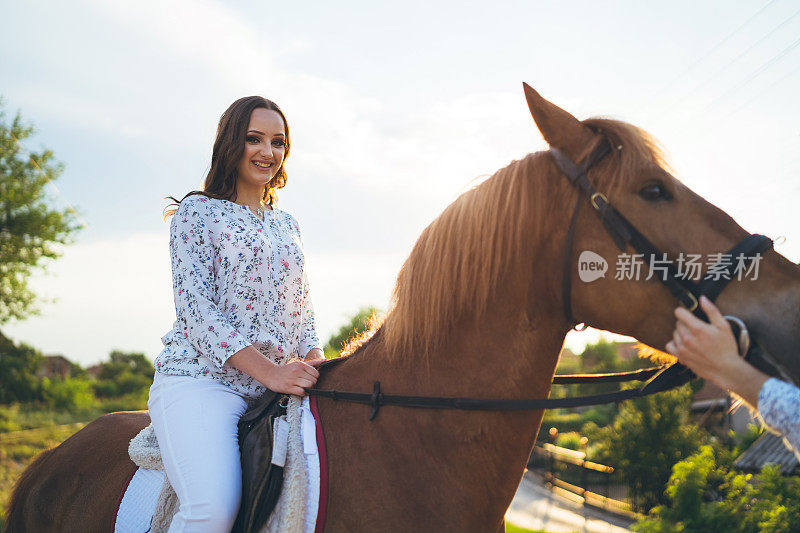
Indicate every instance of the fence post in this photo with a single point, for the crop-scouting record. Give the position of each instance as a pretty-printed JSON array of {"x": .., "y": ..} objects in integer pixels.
[{"x": 584, "y": 478}]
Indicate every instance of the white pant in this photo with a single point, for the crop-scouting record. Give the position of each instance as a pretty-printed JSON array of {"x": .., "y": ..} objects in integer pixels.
[{"x": 195, "y": 421}]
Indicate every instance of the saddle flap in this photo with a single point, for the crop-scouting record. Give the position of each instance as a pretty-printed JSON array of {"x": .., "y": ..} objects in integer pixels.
[
  {"x": 261, "y": 479},
  {"x": 257, "y": 408}
]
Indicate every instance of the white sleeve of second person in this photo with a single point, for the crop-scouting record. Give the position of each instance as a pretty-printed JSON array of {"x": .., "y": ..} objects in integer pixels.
[
  {"x": 779, "y": 407},
  {"x": 204, "y": 325}
]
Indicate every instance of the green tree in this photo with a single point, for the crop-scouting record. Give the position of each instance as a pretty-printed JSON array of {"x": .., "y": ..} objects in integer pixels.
[
  {"x": 600, "y": 357},
  {"x": 29, "y": 226},
  {"x": 646, "y": 438},
  {"x": 124, "y": 373},
  {"x": 359, "y": 323},
  {"x": 18, "y": 367}
]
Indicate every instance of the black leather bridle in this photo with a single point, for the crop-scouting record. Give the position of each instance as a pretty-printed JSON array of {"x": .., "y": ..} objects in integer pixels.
[{"x": 623, "y": 233}]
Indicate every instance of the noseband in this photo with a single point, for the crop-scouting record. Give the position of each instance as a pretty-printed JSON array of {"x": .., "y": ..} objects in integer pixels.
[{"x": 624, "y": 233}]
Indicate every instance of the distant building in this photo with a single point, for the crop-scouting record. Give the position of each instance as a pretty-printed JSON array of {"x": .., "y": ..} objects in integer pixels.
[
  {"x": 568, "y": 359},
  {"x": 768, "y": 448},
  {"x": 627, "y": 350},
  {"x": 95, "y": 370},
  {"x": 55, "y": 366}
]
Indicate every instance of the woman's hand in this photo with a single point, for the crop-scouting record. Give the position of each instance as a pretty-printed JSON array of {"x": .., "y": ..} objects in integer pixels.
[
  {"x": 711, "y": 351},
  {"x": 292, "y": 377}
]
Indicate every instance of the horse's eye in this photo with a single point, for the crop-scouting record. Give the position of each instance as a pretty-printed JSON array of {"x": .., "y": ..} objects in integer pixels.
[{"x": 654, "y": 192}]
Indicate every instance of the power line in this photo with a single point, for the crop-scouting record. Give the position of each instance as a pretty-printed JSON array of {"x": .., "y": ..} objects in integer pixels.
[
  {"x": 737, "y": 58},
  {"x": 700, "y": 59},
  {"x": 771, "y": 86},
  {"x": 751, "y": 77}
]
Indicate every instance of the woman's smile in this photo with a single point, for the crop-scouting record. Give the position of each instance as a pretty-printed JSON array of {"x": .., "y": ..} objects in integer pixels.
[{"x": 264, "y": 166}]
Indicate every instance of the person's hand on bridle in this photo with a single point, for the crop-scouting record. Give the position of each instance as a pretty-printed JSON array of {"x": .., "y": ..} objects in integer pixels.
[{"x": 710, "y": 350}]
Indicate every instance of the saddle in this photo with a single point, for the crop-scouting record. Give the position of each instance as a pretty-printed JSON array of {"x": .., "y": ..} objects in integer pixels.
[{"x": 261, "y": 479}]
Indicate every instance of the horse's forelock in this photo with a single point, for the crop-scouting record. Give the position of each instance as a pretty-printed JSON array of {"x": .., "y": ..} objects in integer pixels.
[{"x": 637, "y": 146}]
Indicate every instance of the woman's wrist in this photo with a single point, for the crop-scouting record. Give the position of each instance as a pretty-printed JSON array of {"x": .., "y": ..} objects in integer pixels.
[
  {"x": 745, "y": 380},
  {"x": 255, "y": 364}
]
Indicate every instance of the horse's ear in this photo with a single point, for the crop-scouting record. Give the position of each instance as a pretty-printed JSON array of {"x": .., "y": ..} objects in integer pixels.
[{"x": 559, "y": 128}]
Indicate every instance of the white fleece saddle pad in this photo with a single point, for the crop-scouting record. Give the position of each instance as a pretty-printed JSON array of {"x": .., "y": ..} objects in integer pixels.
[{"x": 138, "y": 503}]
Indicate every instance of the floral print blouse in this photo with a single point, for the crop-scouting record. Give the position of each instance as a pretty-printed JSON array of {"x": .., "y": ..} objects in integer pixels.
[
  {"x": 237, "y": 281},
  {"x": 779, "y": 407}
]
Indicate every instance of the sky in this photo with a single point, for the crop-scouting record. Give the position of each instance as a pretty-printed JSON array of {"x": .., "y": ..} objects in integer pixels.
[{"x": 395, "y": 108}]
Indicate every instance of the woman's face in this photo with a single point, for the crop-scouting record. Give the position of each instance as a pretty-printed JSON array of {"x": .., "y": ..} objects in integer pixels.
[{"x": 264, "y": 149}]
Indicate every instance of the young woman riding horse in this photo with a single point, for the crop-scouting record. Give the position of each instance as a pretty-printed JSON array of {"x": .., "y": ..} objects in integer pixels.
[
  {"x": 243, "y": 311},
  {"x": 478, "y": 311}
]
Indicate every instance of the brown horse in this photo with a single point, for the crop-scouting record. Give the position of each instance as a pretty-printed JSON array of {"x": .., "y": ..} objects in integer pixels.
[{"x": 477, "y": 311}]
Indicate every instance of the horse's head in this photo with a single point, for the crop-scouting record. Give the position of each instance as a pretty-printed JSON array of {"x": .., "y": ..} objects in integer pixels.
[{"x": 678, "y": 222}]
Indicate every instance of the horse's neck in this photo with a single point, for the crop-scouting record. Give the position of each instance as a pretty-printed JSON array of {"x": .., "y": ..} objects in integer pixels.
[
  {"x": 502, "y": 356},
  {"x": 430, "y": 449}
]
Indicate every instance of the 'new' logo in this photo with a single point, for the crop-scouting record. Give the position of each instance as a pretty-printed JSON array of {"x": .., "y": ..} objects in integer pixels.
[{"x": 591, "y": 266}]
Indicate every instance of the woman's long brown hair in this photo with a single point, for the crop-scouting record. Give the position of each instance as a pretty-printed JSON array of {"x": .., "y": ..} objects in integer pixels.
[{"x": 220, "y": 182}]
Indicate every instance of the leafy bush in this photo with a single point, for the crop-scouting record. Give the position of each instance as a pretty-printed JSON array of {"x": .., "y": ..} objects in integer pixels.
[
  {"x": 69, "y": 394},
  {"x": 647, "y": 437},
  {"x": 571, "y": 440},
  {"x": 8, "y": 418},
  {"x": 601, "y": 415},
  {"x": 705, "y": 494},
  {"x": 751, "y": 434},
  {"x": 133, "y": 401},
  {"x": 124, "y": 373}
]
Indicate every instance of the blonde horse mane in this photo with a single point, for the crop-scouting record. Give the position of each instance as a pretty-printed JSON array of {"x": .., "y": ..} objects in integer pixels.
[{"x": 456, "y": 264}]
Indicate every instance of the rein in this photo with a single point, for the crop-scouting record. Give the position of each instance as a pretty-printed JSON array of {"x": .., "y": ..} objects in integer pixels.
[
  {"x": 623, "y": 233},
  {"x": 377, "y": 398}
]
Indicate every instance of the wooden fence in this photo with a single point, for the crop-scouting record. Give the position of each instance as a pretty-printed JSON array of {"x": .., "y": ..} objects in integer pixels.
[{"x": 570, "y": 474}]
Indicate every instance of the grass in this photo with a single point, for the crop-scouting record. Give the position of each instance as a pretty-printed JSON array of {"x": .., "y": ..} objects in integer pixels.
[
  {"x": 511, "y": 528},
  {"x": 27, "y": 429},
  {"x": 22, "y": 416}
]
